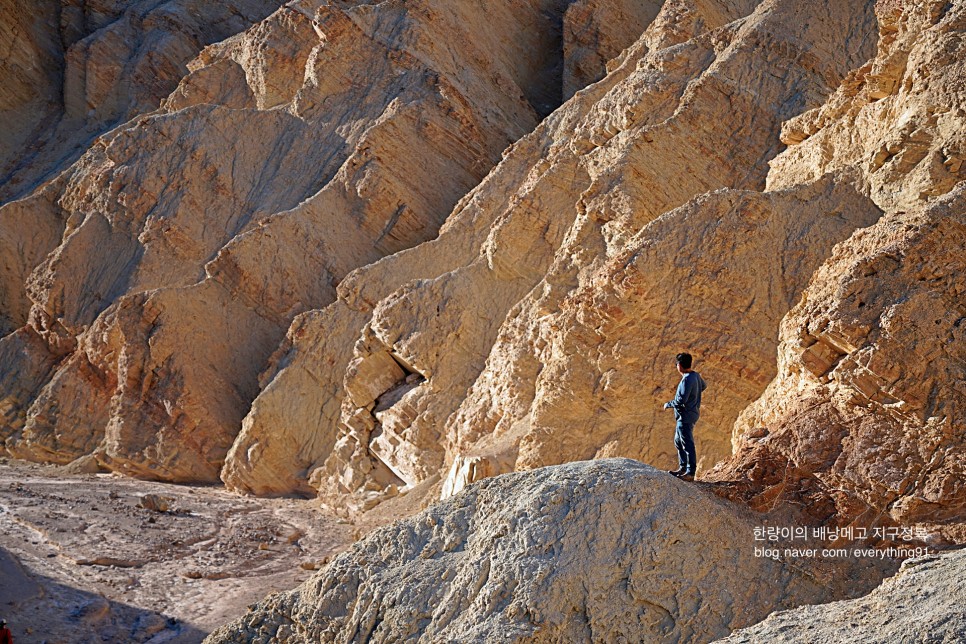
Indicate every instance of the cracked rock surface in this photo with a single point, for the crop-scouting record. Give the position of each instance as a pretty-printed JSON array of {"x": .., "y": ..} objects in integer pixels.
[{"x": 607, "y": 551}]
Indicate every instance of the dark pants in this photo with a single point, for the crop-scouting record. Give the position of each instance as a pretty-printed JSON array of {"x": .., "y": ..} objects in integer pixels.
[{"x": 684, "y": 442}]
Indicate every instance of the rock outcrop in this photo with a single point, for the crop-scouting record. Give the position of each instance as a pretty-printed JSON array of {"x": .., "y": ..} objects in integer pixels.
[
  {"x": 484, "y": 337},
  {"x": 609, "y": 550},
  {"x": 897, "y": 122},
  {"x": 596, "y": 32},
  {"x": 72, "y": 70},
  {"x": 864, "y": 423},
  {"x": 922, "y": 603},
  {"x": 186, "y": 240},
  {"x": 365, "y": 250}
]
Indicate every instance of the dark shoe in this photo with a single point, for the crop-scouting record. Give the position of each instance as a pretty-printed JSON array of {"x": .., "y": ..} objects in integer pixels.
[
  {"x": 675, "y": 472},
  {"x": 686, "y": 477}
]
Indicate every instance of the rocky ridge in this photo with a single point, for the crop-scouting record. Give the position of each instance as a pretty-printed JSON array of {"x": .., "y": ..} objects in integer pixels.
[
  {"x": 874, "y": 357},
  {"x": 608, "y": 550},
  {"x": 217, "y": 242},
  {"x": 73, "y": 70},
  {"x": 234, "y": 280},
  {"x": 863, "y": 423}
]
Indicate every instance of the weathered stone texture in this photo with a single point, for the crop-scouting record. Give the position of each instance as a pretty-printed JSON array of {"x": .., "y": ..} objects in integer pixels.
[
  {"x": 897, "y": 121},
  {"x": 182, "y": 244},
  {"x": 72, "y": 70},
  {"x": 922, "y": 603},
  {"x": 605, "y": 551},
  {"x": 486, "y": 315},
  {"x": 864, "y": 423}
]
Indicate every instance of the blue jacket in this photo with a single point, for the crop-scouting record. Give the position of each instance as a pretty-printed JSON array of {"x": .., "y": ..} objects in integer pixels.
[{"x": 687, "y": 400}]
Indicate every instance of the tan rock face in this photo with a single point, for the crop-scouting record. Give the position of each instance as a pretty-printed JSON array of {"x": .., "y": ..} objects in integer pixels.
[
  {"x": 74, "y": 70},
  {"x": 31, "y": 72},
  {"x": 294, "y": 425},
  {"x": 596, "y": 32},
  {"x": 864, "y": 419},
  {"x": 600, "y": 551},
  {"x": 475, "y": 313},
  {"x": 608, "y": 354},
  {"x": 863, "y": 422},
  {"x": 192, "y": 236},
  {"x": 898, "y": 120}
]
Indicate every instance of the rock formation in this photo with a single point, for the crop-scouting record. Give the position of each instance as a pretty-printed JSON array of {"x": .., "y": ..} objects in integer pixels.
[
  {"x": 399, "y": 249},
  {"x": 864, "y": 421},
  {"x": 922, "y": 603},
  {"x": 596, "y": 32},
  {"x": 73, "y": 70},
  {"x": 897, "y": 121},
  {"x": 609, "y": 550},
  {"x": 470, "y": 339},
  {"x": 654, "y": 211},
  {"x": 173, "y": 255}
]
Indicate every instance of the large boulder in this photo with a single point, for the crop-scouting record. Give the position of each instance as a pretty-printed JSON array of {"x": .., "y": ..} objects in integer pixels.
[{"x": 606, "y": 551}]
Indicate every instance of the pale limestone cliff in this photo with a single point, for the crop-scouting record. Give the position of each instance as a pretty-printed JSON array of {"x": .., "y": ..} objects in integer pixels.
[
  {"x": 74, "y": 69},
  {"x": 71, "y": 71},
  {"x": 596, "y": 32},
  {"x": 605, "y": 551},
  {"x": 319, "y": 140},
  {"x": 897, "y": 121},
  {"x": 475, "y": 329}
]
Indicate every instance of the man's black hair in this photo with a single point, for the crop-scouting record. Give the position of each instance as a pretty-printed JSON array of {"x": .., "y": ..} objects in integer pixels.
[{"x": 684, "y": 359}]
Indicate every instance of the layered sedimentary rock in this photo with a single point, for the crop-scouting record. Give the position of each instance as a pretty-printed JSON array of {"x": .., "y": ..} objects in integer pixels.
[
  {"x": 922, "y": 603},
  {"x": 72, "y": 70},
  {"x": 487, "y": 342},
  {"x": 897, "y": 121},
  {"x": 319, "y": 140},
  {"x": 606, "y": 551},
  {"x": 864, "y": 420},
  {"x": 596, "y": 32}
]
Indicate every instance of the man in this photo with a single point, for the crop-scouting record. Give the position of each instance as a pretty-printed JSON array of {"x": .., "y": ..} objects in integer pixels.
[
  {"x": 6, "y": 637},
  {"x": 686, "y": 406}
]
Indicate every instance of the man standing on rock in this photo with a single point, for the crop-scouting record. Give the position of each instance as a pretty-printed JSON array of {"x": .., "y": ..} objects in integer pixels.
[
  {"x": 6, "y": 637},
  {"x": 686, "y": 406}
]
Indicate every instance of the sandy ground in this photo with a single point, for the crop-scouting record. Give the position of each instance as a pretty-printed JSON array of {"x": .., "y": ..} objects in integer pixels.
[{"x": 82, "y": 560}]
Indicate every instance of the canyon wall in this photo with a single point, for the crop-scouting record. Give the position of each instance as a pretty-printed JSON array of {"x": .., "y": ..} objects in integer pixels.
[
  {"x": 478, "y": 351},
  {"x": 332, "y": 255},
  {"x": 383, "y": 253},
  {"x": 863, "y": 424},
  {"x": 166, "y": 263},
  {"x": 73, "y": 70}
]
